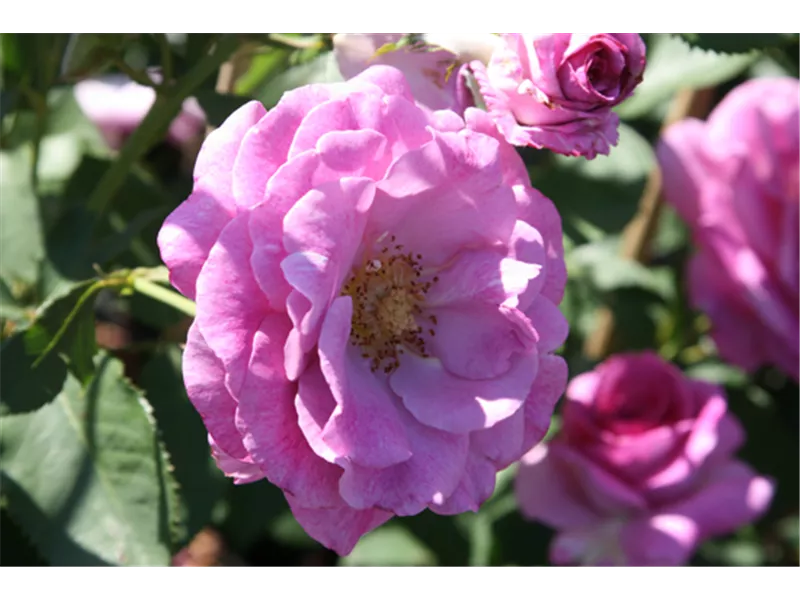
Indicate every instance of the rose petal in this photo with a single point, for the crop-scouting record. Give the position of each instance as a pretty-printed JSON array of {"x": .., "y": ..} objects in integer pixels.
[
  {"x": 365, "y": 427},
  {"x": 269, "y": 422},
  {"x": 431, "y": 474},
  {"x": 450, "y": 403},
  {"x": 339, "y": 528},
  {"x": 232, "y": 303}
]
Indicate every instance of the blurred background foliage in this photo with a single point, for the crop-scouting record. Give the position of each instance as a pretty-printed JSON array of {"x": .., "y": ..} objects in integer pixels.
[{"x": 105, "y": 461}]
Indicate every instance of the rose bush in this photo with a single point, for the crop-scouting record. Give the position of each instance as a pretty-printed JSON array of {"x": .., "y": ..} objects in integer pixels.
[
  {"x": 557, "y": 90},
  {"x": 116, "y": 105},
  {"x": 377, "y": 289},
  {"x": 734, "y": 180},
  {"x": 642, "y": 470}
]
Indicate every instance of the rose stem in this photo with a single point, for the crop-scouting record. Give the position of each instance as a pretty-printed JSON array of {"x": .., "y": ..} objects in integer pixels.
[{"x": 638, "y": 234}]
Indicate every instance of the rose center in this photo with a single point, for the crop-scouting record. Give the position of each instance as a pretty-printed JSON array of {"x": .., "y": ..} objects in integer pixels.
[{"x": 387, "y": 294}]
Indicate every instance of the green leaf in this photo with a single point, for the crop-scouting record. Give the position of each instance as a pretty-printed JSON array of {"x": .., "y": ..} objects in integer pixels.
[
  {"x": 219, "y": 107},
  {"x": 264, "y": 67},
  {"x": 86, "y": 477},
  {"x": 61, "y": 337},
  {"x": 21, "y": 240},
  {"x": 599, "y": 196},
  {"x": 322, "y": 69},
  {"x": 673, "y": 65},
  {"x": 739, "y": 42},
  {"x": 185, "y": 437},
  {"x": 390, "y": 546},
  {"x": 609, "y": 271}
]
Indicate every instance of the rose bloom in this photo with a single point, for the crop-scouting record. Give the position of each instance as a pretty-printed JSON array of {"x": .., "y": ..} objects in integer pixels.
[
  {"x": 642, "y": 470},
  {"x": 435, "y": 79},
  {"x": 377, "y": 291},
  {"x": 116, "y": 105},
  {"x": 556, "y": 90},
  {"x": 734, "y": 180}
]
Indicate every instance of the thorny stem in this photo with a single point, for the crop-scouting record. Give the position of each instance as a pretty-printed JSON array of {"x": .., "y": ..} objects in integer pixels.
[{"x": 639, "y": 233}]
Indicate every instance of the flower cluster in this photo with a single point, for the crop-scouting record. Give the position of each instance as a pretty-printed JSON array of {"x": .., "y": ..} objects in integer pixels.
[
  {"x": 553, "y": 90},
  {"x": 377, "y": 288}
]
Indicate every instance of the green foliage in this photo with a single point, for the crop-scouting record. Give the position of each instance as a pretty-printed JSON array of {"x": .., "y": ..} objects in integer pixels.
[
  {"x": 86, "y": 477},
  {"x": 35, "y": 360},
  {"x": 739, "y": 42},
  {"x": 673, "y": 65}
]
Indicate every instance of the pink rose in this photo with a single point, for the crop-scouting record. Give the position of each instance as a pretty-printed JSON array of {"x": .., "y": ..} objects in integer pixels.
[
  {"x": 377, "y": 293},
  {"x": 642, "y": 470},
  {"x": 556, "y": 90},
  {"x": 734, "y": 180},
  {"x": 116, "y": 105},
  {"x": 430, "y": 76}
]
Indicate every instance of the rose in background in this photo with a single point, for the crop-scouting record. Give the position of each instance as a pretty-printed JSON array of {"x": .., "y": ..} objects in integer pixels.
[
  {"x": 642, "y": 470},
  {"x": 435, "y": 76},
  {"x": 556, "y": 90},
  {"x": 734, "y": 180},
  {"x": 377, "y": 292},
  {"x": 116, "y": 105}
]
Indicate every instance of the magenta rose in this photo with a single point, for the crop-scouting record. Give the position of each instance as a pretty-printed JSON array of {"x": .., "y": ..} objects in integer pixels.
[
  {"x": 377, "y": 293},
  {"x": 116, "y": 105},
  {"x": 435, "y": 79},
  {"x": 556, "y": 90},
  {"x": 642, "y": 470},
  {"x": 734, "y": 180}
]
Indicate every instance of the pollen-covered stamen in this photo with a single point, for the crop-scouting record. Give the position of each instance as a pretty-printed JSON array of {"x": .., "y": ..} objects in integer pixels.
[{"x": 387, "y": 293}]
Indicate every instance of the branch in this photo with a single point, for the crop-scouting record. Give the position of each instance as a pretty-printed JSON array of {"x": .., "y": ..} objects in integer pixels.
[{"x": 639, "y": 233}]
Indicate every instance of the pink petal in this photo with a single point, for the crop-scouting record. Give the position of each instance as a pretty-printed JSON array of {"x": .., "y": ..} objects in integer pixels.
[
  {"x": 733, "y": 496},
  {"x": 231, "y": 303},
  {"x": 549, "y": 322},
  {"x": 450, "y": 403},
  {"x": 502, "y": 443},
  {"x": 486, "y": 276},
  {"x": 454, "y": 179},
  {"x": 339, "y": 528},
  {"x": 190, "y": 231},
  {"x": 365, "y": 426},
  {"x": 204, "y": 377},
  {"x": 480, "y": 341},
  {"x": 265, "y": 260},
  {"x": 242, "y": 471},
  {"x": 683, "y": 162},
  {"x": 475, "y": 488},
  {"x": 388, "y": 79},
  {"x": 664, "y": 540},
  {"x": 602, "y": 489},
  {"x": 548, "y": 387},
  {"x": 322, "y": 233},
  {"x": 265, "y": 148},
  {"x": 545, "y": 494},
  {"x": 540, "y": 212},
  {"x": 430, "y": 476},
  {"x": 315, "y": 404},
  {"x": 269, "y": 421}
]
